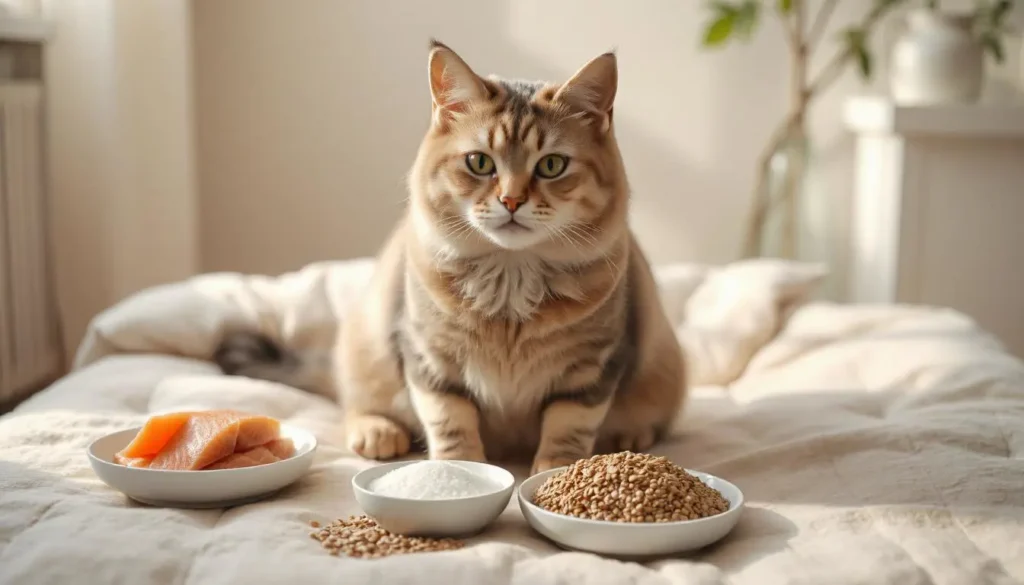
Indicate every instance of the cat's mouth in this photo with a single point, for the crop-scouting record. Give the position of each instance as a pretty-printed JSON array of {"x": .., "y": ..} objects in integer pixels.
[
  {"x": 512, "y": 234},
  {"x": 513, "y": 227}
]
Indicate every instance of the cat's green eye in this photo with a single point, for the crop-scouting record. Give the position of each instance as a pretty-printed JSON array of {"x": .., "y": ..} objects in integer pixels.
[
  {"x": 551, "y": 166},
  {"x": 479, "y": 163}
]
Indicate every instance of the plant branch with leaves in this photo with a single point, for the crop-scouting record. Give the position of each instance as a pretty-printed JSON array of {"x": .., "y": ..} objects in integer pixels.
[
  {"x": 804, "y": 29},
  {"x": 990, "y": 25}
]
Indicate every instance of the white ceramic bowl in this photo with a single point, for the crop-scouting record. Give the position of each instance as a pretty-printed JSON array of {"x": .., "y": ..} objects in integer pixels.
[
  {"x": 438, "y": 518},
  {"x": 204, "y": 488},
  {"x": 624, "y": 540}
]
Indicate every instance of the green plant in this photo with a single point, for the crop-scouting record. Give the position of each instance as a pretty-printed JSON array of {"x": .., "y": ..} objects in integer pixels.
[
  {"x": 990, "y": 27},
  {"x": 805, "y": 28},
  {"x": 739, "y": 20}
]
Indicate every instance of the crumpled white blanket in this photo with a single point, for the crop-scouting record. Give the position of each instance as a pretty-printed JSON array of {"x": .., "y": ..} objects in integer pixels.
[{"x": 874, "y": 444}]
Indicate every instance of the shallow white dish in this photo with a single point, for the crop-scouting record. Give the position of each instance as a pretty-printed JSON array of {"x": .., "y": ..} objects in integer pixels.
[
  {"x": 439, "y": 518},
  {"x": 624, "y": 540},
  {"x": 200, "y": 489}
]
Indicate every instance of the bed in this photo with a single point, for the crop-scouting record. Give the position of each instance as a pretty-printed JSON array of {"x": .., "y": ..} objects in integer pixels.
[{"x": 874, "y": 444}]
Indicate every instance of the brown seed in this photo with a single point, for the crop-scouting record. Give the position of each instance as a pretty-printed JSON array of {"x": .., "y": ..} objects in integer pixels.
[
  {"x": 361, "y": 537},
  {"x": 629, "y": 487}
]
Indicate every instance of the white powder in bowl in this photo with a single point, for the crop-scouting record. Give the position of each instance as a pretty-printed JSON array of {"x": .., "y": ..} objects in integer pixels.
[{"x": 433, "y": 480}]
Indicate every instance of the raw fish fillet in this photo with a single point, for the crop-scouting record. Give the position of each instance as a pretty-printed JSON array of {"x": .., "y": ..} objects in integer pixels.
[
  {"x": 154, "y": 435},
  {"x": 204, "y": 438},
  {"x": 252, "y": 457},
  {"x": 272, "y": 452},
  {"x": 254, "y": 431},
  {"x": 132, "y": 461},
  {"x": 283, "y": 448}
]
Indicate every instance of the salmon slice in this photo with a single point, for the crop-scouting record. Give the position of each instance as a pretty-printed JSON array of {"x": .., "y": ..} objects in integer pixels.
[
  {"x": 154, "y": 435},
  {"x": 254, "y": 431},
  {"x": 132, "y": 461},
  {"x": 256, "y": 456},
  {"x": 282, "y": 448},
  {"x": 213, "y": 435},
  {"x": 272, "y": 452}
]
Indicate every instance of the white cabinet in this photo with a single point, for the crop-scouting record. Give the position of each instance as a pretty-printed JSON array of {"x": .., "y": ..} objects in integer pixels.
[{"x": 938, "y": 210}]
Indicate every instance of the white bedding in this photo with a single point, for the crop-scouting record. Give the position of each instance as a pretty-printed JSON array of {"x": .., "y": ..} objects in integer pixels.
[{"x": 875, "y": 444}]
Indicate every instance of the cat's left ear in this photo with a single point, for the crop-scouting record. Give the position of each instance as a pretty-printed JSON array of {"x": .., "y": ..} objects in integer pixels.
[{"x": 592, "y": 89}]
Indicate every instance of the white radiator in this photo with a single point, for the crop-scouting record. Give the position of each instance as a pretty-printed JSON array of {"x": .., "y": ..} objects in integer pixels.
[{"x": 30, "y": 350}]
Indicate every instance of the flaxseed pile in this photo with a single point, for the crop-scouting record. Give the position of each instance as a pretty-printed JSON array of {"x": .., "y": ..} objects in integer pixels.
[
  {"x": 361, "y": 537},
  {"x": 629, "y": 487}
]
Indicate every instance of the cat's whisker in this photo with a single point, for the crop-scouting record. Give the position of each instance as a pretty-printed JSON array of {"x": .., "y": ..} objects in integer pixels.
[
  {"x": 455, "y": 227},
  {"x": 451, "y": 221},
  {"x": 579, "y": 231},
  {"x": 568, "y": 238},
  {"x": 557, "y": 233},
  {"x": 464, "y": 227},
  {"x": 578, "y": 237}
]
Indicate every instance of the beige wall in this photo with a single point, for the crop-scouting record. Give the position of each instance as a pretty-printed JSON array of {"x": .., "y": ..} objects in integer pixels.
[
  {"x": 122, "y": 186},
  {"x": 309, "y": 114}
]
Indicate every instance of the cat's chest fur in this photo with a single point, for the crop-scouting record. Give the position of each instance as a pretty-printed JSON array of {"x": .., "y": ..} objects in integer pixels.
[
  {"x": 504, "y": 284},
  {"x": 498, "y": 359}
]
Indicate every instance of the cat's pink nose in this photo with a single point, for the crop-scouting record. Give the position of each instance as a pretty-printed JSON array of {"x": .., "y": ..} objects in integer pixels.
[{"x": 511, "y": 203}]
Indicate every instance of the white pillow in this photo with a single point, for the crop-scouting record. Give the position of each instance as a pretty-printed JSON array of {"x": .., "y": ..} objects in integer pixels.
[{"x": 736, "y": 310}]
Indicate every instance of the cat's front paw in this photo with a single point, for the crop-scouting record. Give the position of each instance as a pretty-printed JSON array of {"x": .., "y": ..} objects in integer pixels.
[
  {"x": 636, "y": 441},
  {"x": 376, "y": 437},
  {"x": 541, "y": 464}
]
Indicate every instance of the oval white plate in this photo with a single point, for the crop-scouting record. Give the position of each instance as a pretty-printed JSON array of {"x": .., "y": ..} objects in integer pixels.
[
  {"x": 624, "y": 540},
  {"x": 200, "y": 489}
]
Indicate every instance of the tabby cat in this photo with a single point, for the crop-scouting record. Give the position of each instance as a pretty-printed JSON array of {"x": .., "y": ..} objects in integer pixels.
[{"x": 512, "y": 313}]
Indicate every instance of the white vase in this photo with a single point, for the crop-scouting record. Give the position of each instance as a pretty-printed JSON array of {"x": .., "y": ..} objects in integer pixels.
[{"x": 936, "y": 60}]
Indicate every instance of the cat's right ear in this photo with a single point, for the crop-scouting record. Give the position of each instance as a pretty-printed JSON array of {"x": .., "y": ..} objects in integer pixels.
[{"x": 453, "y": 85}]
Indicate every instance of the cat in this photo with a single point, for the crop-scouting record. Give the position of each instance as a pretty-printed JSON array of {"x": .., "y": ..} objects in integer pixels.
[{"x": 512, "y": 313}]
